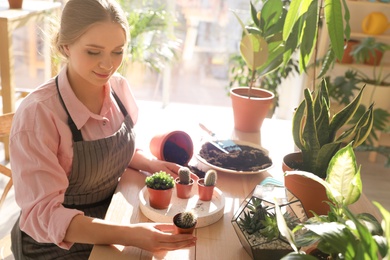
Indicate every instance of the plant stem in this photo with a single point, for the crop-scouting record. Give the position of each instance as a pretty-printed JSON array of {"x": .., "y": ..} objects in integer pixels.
[{"x": 251, "y": 83}]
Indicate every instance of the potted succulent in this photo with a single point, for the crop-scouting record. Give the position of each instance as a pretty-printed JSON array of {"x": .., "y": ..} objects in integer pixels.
[
  {"x": 160, "y": 188},
  {"x": 340, "y": 234},
  {"x": 185, "y": 222},
  {"x": 206, "y": 185},
  {"x": 318, "y": 136},
  {"x": 184, "y": 183},
  {"x": 255, "y": 221}
]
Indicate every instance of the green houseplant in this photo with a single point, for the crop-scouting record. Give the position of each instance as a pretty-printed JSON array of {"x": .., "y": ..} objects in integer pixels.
[
  {"x": 318, "y": 136},
  {"x": 340, "y": 234},
  {"x": 160, "y": 187},
  {"x": 185, "y": 222},
  {"x": 342, "y": 88},
  {"x": 152, "y": 44},
  {"x": 276, "y": 33},
  {"x": 206, "y": 185}
]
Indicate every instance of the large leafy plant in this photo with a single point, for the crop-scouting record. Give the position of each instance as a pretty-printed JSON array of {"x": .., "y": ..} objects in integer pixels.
[
  {"x": 278, "y": 31},
  {"x": 341, "y": 234},
  {"x": 319, "y": 135}
]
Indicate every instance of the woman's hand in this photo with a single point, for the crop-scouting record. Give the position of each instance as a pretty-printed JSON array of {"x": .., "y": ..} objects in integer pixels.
[
  {"x": 145, "y": 162},
  {"x": 168, "y": 167},
  {"x": 155, "y": 237}
]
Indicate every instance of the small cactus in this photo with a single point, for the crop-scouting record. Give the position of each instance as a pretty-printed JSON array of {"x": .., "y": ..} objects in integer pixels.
[
  {"x": 210, "y": 178},
  {"x": 184, "y": 175},
  {"x": 187, "y": 219}
]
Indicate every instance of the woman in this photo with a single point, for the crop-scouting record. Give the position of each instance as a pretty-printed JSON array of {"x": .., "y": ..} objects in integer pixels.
[{"x": 72, "y": 139}]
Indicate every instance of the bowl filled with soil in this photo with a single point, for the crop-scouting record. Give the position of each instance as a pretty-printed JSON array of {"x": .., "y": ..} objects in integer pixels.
[{"x": 252, "y": 159}]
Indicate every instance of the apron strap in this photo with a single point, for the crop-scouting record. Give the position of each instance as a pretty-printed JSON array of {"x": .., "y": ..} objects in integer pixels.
[{"x": 77, "y": 136}]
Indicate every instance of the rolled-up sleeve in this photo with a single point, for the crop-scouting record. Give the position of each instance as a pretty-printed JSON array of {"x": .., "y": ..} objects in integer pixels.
[{"x": 40, "y": 181}]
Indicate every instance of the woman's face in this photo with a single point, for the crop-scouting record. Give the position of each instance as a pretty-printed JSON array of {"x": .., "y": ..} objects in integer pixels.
[{"x": 96, "y": 55}]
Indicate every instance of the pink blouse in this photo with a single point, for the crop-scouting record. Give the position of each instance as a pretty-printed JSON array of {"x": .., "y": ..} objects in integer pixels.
[{"x": 42, "y": 152}]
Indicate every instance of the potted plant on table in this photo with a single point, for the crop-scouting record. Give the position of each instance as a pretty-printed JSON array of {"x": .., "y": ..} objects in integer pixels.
[
  {"x": 274, "y": 35},
  {"x": 184, "y": 183},
  {"x": 340, "y": 234},
  {"x": 318, "y": 136},
  {"x": 160, "y": 188},
  {"x": 255, "y": 221},
  {"x": 206, "y": 185},
  {"x": 185, "y": 222}
]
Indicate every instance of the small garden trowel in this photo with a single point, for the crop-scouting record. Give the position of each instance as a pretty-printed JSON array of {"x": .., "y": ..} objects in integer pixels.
[{"x": 225, "y": 146}]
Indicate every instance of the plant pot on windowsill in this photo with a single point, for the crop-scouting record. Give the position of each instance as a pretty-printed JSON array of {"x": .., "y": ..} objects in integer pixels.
[
  {"x": 15, "y": 4},
  {"x": 347, "y": 57}
]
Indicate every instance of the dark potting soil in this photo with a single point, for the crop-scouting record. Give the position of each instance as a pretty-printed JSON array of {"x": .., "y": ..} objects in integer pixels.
[
  {"x": 248, "y": 159},
  {"x": 174, "y": 153}
]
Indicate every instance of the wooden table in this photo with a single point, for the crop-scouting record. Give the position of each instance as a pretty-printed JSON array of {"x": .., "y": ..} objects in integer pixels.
[
  {"x": 11, "y": 19},
  {"x": 219, "y": 240}
]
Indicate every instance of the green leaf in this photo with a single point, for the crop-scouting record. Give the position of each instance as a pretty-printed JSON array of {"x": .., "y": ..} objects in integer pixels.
[
  {"x": 336, "y": 235},
  {"x": 385, "y": 226},
  {"x": 309, "y": 36},
  {"x": 366, "y": 247},
  {"x": 334, "y": 21},
  {"x": 283, "y": 228},
  {"x": 344, "y": 176},
  {"x": 297, "y": 125},
  {"x": 343, "y": 116},
  {"x": 296, "y": 10},
  {"x": 254, "y": 50}
]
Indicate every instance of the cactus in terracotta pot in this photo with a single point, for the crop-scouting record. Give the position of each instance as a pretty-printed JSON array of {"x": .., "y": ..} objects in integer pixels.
[
  {"x": 184, "y": 183},
  {"x": 184, "y": 175},
  {"x": 185, "y": 222},
  {"x": 210, "y": 179},
  {"x": 206, "y": 185}
]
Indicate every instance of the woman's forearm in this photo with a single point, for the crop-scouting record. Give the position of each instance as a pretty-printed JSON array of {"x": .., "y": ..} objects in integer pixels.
[{"x": 83, "y": 229}]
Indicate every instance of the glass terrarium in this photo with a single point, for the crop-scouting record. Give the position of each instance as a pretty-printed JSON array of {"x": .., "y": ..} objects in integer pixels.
[{"x": 255, "y": 221}]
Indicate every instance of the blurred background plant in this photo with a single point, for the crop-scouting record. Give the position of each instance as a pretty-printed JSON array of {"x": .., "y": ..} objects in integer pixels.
[{"x": 152, "y": 42}]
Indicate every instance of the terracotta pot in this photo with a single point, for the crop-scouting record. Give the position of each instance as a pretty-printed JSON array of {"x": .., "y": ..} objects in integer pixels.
[
  {"x": 311, "y": 194},
  {"x": 160, "y": 199},
  {"x": 15, "y": 4},
  {"x": 179, "y": 230},
  {"x": 349, "y": 46},
  {"x": 205, "y": 192},
  {"x": 174, "y": 146},
  {"x": 374, "y": 61},
  {"x": 183, "y": 191},
  {"x": 249, "y": 113}
]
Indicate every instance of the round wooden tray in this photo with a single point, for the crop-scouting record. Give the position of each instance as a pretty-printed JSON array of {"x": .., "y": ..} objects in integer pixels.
[{"x": 208, "y": 212}]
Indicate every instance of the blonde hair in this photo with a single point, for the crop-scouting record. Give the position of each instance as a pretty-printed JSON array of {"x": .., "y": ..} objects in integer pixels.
[{"x": 79, "y": 15}]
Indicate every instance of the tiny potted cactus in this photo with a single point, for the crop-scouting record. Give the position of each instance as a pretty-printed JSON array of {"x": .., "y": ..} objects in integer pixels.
[
  {"x": 206, "y": 185},
  {"x": 184, "y": 183},
  {"x": 160, "y": 187},
  {"x": 185, "y": 222}
]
